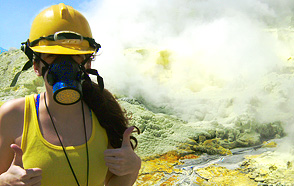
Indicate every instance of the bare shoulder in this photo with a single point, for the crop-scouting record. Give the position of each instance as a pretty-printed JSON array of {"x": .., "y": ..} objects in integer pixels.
[
  {"x": 11, "y": 126},
  {"x": 11, "y": 117}
]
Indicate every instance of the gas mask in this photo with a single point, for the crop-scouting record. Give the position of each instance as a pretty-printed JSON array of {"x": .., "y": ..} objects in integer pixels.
[{"x": 65, "y": 75}]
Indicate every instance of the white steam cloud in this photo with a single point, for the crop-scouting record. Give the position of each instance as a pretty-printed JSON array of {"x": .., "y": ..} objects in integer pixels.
[{"x": 219, "y": 59}]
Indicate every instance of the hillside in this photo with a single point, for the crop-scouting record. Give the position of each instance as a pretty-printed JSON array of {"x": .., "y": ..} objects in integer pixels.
[
  {"x": 211, "y": 137},
  {"x": 2, "y": 50},
  {"x": 28, "y": 83},
  {"x": 161, "y": 132}
]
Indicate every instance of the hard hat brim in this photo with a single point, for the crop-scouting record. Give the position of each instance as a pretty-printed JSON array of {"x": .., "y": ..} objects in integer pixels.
[{"x": 63, "y": 50}]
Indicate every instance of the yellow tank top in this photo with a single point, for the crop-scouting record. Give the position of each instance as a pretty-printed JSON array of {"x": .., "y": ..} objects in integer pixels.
[{"x": 51, "y": 159}]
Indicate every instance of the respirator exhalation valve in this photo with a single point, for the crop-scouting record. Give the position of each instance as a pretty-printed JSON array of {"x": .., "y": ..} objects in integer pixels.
[{"x": 64, "y": 75}]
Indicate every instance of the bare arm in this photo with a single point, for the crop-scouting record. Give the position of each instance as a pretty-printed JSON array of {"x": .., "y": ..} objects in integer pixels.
[
  {"x": 12, "y": 171},
  {"x": 11, "y": 116}
]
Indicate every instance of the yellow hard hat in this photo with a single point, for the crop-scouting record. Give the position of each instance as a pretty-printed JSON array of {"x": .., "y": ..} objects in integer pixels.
[{"x": 60, "y": 29}]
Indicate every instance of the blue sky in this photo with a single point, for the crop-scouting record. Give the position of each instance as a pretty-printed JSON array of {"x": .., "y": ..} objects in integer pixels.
[{"x": 17, "y": 15}]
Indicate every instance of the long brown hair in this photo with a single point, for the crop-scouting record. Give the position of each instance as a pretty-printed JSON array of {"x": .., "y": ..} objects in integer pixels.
[{"x": 109, "y": 113}]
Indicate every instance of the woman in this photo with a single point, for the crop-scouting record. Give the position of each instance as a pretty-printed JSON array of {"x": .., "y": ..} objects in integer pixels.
[{"x": 75, "y": 133}]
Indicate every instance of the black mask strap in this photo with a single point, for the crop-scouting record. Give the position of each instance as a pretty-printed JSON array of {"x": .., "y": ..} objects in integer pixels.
[
  {"x": 99, "y": 78},
  {"x": 93, "y": 72}
]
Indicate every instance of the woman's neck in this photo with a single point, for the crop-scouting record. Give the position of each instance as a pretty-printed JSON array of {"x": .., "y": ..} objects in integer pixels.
[{"x": 58, "y": 109}]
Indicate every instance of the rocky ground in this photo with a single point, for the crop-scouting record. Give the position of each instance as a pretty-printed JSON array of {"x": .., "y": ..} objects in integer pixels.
[
  {"x": 260, "y": 165},
  {"x": 211, "y": 150}
]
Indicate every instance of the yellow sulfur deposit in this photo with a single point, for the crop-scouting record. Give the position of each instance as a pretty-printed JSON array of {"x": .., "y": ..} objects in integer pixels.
[
  {"x": 213, "y": 175},
  {"x": 154, "y": 169},
  {"x": 270, "y": 144},
  {"x": 271, "y": 168},
  {"x": 210, "y": 146},
  {"x": 161, "y": 171}
]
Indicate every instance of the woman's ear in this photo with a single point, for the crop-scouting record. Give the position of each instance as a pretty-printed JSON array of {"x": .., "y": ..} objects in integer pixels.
[{"x": 37, "y": 68}]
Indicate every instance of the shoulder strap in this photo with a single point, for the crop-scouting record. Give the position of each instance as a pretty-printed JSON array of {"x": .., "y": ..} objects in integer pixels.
[{"x": 37, "y": 104}]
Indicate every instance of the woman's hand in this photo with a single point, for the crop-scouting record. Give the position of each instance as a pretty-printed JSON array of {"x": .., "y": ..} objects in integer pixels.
[
  {"x": 124, "y": 160},
  {"x": 17, "y": 175}
]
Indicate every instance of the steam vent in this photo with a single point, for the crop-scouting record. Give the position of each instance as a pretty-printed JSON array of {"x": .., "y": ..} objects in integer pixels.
[
  {"x": 210, "y": 85},
  {"x": 217, "y": 135}
]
